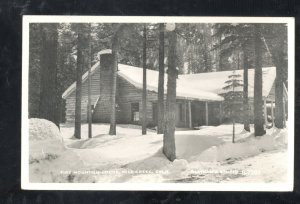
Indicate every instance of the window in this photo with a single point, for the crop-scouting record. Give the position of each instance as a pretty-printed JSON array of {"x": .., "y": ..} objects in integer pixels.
[{"x": 135, "y": 112}]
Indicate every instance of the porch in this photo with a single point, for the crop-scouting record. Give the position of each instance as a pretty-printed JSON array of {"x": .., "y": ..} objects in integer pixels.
[{"x": 192, "y": 113}]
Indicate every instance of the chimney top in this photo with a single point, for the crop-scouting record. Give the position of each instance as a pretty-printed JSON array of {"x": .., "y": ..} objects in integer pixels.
[{"x": 102, "y": 52}]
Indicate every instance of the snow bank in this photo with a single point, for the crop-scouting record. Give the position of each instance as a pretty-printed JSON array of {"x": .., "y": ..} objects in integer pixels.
[
  {"x": 44, "y": 139},
  {"x": 244, "y": 148},
  {"x": 40, "y": 129},
  {"x": 189, "y": 145},
  {"x": 139, "y": 158},
  {"x": 48, "y": 157}
]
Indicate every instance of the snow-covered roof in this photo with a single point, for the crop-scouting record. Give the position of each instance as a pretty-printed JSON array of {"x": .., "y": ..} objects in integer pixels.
[
  {"x": 134, "y": 75},
  {"x": 202, "y": 86},
  {"x": 215, "y": 81}
]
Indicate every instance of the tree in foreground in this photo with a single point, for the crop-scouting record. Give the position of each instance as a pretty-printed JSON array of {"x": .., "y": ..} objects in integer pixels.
[
  {"x": 169, "y": 132},
  {"x": 82, "y": 55},
  {"x": 89, "y": 58},
  {"x": 144, "y": 97},
  {"x": 48, "y": 63},
  {"x": 276, "y": 44},
  {"x": 115, "y": 50},
  {"x": 160, "y": 94},
  {"x": 258, "y": 99},
  {"x": 246, "y": 117},
  {"x": 233, "y": 98}
]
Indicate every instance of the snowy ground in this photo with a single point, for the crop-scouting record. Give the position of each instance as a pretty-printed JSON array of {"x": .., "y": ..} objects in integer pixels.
[{"x": 205, "y": 155}]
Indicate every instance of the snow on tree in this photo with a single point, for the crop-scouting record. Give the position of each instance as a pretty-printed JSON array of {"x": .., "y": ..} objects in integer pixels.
[{"x": 233, "y": 98}]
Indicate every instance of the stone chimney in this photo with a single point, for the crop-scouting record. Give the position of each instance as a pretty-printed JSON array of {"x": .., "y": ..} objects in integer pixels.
[{"x": 106, "y": 64}]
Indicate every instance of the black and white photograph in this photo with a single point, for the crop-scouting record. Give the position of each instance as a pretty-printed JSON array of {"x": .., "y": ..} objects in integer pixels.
[{"x": 158, "y": 103}]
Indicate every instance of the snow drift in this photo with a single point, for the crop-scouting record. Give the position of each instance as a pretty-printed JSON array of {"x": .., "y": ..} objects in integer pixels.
[
  {"x": 44, "y": 139},
  {"x": 48, "y": 156},
  {"x": 250, "y": 146}
]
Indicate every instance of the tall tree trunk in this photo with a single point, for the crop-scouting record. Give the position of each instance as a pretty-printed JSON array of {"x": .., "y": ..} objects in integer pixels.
[
  {"x": 190, "y": 67},
  {"x": 278, "y": 59},
  {"x": 112, "y": 129},
  {"x": 245, "y": 90},
  {"x": 220, "y": 65},
  {"x": 258, "y": 100},
  {"x": 276, "y": 51},
  {"x": 206, "y": 58},
  {"x": 160, "y": 105},
  {"x": 279, "y": 113},
  {"x": 89, "y": 58},
  {"x": 115, "y": 51},
  {"x": 79, "y": 70},
  {"x": 144, "y": 97},
  {"x": 169, "y": 134},
  {"x": 48, "y": 92}
]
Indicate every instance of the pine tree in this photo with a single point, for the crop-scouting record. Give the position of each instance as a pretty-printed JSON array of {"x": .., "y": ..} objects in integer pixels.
[
  {"x": 89, "y": 58},
  {"x": 160, "y": 105},
  {"x": 233, "y": 97},
  {"x": 245, "y": 91},
  {"x": 79, "y": 70},
  {"x": 34, "y": 70},
  {"x": 115, "y": 50},
  {"x": 275, "y": 41},
  {"x": 144, "y": 97},
  {"x": 233, "y": 38},
  {"x": 258, "y": 100},
  {"x": 169, "y": 133},
  {"x": 48, "y": 63}
]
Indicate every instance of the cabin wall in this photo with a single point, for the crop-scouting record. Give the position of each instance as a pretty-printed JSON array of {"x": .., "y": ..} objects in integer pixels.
[
  {"x": 130, "y": 94},
  {"x": 71, "y": 99}
]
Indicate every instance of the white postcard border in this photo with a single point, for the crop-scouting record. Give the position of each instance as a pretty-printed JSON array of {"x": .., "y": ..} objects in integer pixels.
[{"x": 25, "y": 184}]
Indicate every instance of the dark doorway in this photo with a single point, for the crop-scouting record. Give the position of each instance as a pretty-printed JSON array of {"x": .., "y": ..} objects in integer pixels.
[{"x": 135, "y": 112}]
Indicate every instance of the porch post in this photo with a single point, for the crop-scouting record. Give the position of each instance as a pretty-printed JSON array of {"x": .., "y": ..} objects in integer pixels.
[
  {"x": 190, "y": 114},
  {"x": 284, "y": 116},
  {"x": 265, "y": 112},
  {"x": 272, "y": 112},
  {"x": 206, "y": 113},
  {"x": 221, "y": 113},
  {"x": 185, "y": 113}
]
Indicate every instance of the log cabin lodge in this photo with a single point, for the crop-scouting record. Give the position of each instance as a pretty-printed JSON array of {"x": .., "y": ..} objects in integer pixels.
[{"x": 199, "y": 96}]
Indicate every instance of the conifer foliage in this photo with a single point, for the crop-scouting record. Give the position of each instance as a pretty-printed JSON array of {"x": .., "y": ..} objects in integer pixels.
[{"x": 233, "y": 98}]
